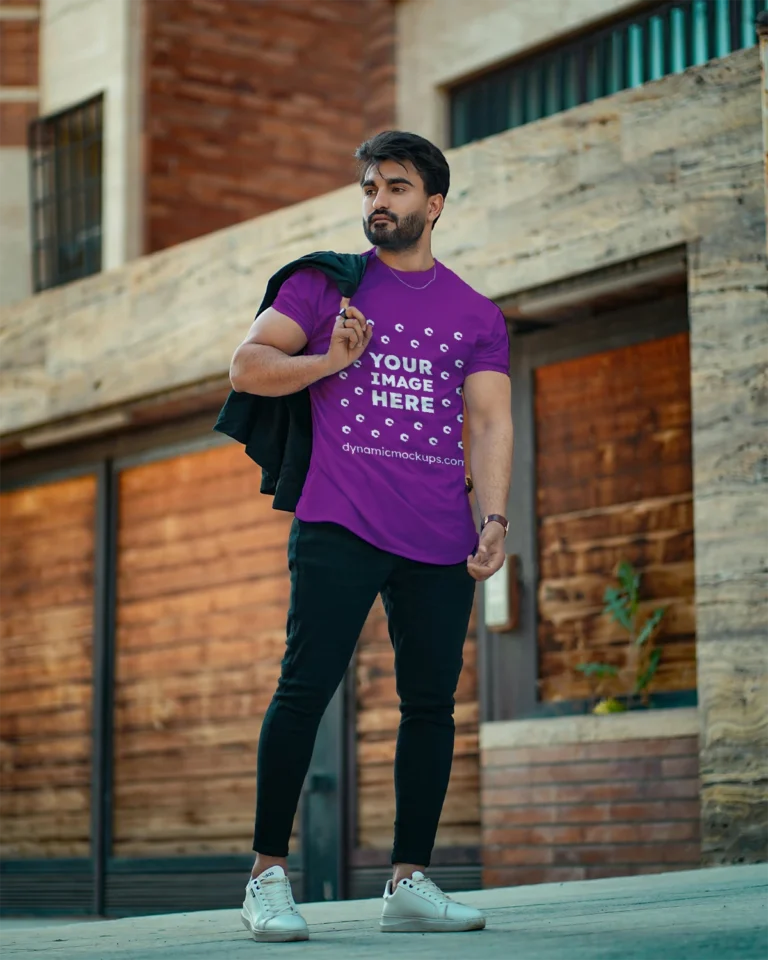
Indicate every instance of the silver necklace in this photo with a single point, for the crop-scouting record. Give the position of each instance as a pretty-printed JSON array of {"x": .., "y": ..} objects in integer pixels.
[{"x": 431, "y": 280}]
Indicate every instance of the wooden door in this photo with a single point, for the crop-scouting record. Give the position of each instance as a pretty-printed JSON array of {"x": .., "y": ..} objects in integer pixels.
[
  {"x": 614, "y": 482},
  {"x": 202, "y": 595},
  {"x": 46, "y": 625}
]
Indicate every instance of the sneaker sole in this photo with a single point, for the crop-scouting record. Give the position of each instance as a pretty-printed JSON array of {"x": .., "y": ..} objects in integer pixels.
[
  {"x": 425, "y": 925},
  {"x": 274, "y": 936}
]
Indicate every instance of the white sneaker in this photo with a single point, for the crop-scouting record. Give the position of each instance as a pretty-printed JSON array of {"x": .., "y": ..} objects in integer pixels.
[
  {"x": 419, "y": 906},
  {"x": 269, "y": 910}
]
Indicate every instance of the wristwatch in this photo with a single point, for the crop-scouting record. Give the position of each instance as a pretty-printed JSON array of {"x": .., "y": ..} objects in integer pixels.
[{"x": 497, "y": 517}]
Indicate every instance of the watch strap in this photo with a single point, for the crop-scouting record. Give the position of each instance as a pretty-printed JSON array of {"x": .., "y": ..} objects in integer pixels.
[{"x": 497, "y": 517}]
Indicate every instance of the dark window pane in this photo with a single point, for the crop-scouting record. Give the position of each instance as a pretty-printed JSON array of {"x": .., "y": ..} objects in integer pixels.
[
  {"x": 595, "y": 70},
  {"x": 552, "y": 88},
  {"x": 571, "y": 79},
  {"x": 516, "y": 108},
  {"x": 734, "y": 24},
  {"x": 617, "y": 62},
  {"x": 66, "y": 184}
]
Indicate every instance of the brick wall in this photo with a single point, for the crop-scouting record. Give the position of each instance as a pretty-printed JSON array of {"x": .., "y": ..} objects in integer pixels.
[
  {"x": 255, "y": 104},
  {"x": 576, "y": 811},
  {"x": 19, "y": 52},
  {"x": 19, "y": 32}
]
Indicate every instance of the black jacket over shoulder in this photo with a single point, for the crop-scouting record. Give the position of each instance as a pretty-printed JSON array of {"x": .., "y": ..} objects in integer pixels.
[{"x": 277, "y": 431}]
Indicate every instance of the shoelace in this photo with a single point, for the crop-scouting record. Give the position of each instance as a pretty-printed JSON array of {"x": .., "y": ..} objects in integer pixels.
[
  {"x": 430, "y": 889},
  {"x": 278, "y": 895}
]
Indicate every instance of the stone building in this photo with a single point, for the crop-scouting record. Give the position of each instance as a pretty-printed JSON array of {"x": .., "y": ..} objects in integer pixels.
[{"x": 159, "y": 161}]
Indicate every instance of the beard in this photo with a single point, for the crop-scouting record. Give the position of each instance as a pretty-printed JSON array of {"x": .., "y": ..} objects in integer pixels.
[{"x": 405, "y": 233}]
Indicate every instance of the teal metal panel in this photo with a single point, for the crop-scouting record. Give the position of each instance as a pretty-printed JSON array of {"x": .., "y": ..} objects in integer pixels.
[{"x": 668, "y": 38}]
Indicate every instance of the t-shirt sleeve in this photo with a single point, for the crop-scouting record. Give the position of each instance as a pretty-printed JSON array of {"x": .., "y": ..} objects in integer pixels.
[
  {"x": 492, "y": 347},
  {"x": 299, "y": 298}
]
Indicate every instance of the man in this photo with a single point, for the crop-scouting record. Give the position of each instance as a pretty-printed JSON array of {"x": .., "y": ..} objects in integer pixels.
[{"x": 384, "y": 509}]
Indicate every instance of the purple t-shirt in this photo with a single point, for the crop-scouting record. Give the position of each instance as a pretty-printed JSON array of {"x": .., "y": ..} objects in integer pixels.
[{"x": 387, "y": 457}]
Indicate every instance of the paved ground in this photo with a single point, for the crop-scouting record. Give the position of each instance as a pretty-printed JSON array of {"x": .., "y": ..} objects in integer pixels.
[{"x": 719, "y": 914}]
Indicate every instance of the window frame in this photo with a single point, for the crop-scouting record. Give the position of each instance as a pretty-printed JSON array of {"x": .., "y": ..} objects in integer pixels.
[{"x": 66, "y": 163}]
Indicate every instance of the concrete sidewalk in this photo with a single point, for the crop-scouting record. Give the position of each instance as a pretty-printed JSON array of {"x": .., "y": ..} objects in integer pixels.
[{"x": 719, "y": 914}]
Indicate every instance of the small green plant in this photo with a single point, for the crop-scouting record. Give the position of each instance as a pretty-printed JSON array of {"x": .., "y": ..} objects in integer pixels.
[{"x": 622, "y": 605}]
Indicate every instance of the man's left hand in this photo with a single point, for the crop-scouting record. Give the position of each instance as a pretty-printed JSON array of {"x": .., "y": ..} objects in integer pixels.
[{"x": 490, "y": 553}]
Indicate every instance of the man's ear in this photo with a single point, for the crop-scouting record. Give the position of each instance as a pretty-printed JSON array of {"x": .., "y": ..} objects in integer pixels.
[{"x": 435, "y": 207}]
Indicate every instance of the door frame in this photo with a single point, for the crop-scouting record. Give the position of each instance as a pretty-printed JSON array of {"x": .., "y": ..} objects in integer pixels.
[
  {"x": 509, "y": 672},
  {"x": 122, "y": 876}
]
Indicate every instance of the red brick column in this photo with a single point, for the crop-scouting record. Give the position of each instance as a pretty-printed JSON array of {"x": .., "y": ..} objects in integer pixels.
[
  {"x": 19, "y": 29},
  {"x": 578, "y": 810},
  {"x": 254, "y": 106}
]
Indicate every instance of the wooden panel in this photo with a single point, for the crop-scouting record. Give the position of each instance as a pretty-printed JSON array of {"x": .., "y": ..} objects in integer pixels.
[
  {"x": 46, "y": 623},
  {"x": 613, "y": 465},
  {"x": 378, "y": 717},
  {"x": 202, "y": 598}
]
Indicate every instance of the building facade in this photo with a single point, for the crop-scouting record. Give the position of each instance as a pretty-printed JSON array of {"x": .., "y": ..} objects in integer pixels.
[{"x": 175, "y": 155}]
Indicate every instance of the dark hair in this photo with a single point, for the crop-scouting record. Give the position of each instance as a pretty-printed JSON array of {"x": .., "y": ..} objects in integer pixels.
[{"x": 400, "y": 146}]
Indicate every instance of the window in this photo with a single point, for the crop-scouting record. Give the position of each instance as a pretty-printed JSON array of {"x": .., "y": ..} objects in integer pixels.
[
  {"x": 666, "y": 39},
  {"x": 66, "y": 159}
]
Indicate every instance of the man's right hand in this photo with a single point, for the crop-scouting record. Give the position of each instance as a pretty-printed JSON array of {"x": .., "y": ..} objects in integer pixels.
[{"x": 349, "y": 340}]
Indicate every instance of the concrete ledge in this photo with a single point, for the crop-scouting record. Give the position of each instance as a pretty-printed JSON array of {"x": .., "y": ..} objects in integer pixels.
[{"x": 633, "y": 725}]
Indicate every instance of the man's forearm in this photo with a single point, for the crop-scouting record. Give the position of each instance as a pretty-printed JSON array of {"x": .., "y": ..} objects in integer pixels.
[
  {"x": 491, "y": 462},
  {"x": 268, "y": 372}
]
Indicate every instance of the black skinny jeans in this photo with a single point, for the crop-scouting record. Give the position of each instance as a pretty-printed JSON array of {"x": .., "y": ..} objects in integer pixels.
[{"x": 335, "y": 578}]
